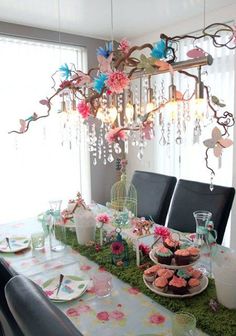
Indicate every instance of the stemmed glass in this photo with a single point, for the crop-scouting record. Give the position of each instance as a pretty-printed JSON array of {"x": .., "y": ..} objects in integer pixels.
[{"x": 55, "y": 212}]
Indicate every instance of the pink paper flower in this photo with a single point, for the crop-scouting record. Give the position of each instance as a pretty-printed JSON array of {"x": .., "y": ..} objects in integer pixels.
[
  {"x": 145, "y": 249},
  {"x": 124, "y": 46},
  {"x": 72, "y": 312},
  {"x": 161, "y": 231},
  {"x": 117, "y": 81},
  {"x": 115, "y": 134},
  {"x": 103, "y": 218},
  {"x": 84, "y": 109},
  {"x": 157, "y": 319},
  {"x": 117, "y": 248},
  {"x": 117, "y": 315},
  {"x": 103, "y": 316}
]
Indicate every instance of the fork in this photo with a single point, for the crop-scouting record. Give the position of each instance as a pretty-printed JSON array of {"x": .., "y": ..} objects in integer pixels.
[
  {"x": 8, "y": 242},
  {"x": 60, "y": 283}
]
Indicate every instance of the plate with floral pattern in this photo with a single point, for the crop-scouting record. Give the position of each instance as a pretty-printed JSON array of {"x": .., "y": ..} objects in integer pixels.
[{"x": 14, "y": 244}]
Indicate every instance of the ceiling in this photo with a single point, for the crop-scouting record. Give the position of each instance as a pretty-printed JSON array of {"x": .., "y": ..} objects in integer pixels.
[{"x": 131, "y": 18}]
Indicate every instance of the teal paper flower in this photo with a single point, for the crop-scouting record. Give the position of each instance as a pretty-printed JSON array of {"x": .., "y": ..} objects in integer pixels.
[
  {"x": 99, "y": 82},
  {"x": 65, "y": 71},
  {"x": 159, "y": 50}
]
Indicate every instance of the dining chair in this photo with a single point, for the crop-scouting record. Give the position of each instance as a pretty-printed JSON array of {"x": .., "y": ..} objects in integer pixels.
[
  {"x": 8, "y": 325},
  {"x": 154, "y": 193},
  {"x": 190, "y": 196},
  {"x": 35, "y": 314}
]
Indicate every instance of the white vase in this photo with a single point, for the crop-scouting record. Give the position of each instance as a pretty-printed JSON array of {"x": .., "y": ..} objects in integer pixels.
[{"x": 85, "y": 225}]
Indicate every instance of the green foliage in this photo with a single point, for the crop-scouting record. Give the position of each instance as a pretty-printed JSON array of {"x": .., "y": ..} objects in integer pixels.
[{"x": 222, "y": 322}]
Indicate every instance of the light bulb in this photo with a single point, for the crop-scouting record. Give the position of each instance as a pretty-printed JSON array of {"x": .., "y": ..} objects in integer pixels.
[
  {"x": 199, "y": 107},
  {"x": 129, "y": 112},
  {"x": 171, "y": 109},
  {"x": 150, "y": 107},
  {"x": 111, "y": 114}
]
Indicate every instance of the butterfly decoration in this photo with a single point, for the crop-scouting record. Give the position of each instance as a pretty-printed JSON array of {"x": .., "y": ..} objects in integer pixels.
[
  {"x": 82, "y": 78},
  {"x": 146, "y": 63},
  {"x": 45, "y": 102},
  {"x": 23, "y": 125},
  {"x": 162, "y": 66},
  {"x": 196, "y": 53},
  {"x": 215, "y": 100},
  {"x": 105, "y": 63},
  {"x": 217, "y": 142}
]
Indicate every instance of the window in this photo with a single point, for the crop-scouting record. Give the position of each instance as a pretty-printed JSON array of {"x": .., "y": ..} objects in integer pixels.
[{"x": 51, "y": 160}]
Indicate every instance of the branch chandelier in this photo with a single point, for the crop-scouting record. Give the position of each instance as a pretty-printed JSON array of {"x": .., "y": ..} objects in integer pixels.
[{"x": 120, "y": 95}]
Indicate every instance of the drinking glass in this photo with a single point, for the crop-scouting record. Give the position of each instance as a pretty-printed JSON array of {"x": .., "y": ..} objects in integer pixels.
[
  {"x": 202, "y": 218},
  {"x": 56, "y": 245},
  {"x": 183, "y": 324},
  {"x": 38, "y": 240},
  {"x": 102, "y": 282}
]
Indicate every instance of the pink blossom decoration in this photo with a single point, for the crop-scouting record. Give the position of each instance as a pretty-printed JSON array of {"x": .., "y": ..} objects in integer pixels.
[
  {"x": 157, "y": 319},
  {"x": 117, "y": 81},
  {"x": 103, "y": 316},
  {"x": 124, "y": 46},
  {"x": 72, "y": 312},
  {"x": 115, "y": 134},
  {"x": 144, "y": 249},
  {"x": 84, "y": 109},
  {"x": 117, "y": 315},
  {"x": 161, "y": 231},
  {"x": 103, "y": 218}
]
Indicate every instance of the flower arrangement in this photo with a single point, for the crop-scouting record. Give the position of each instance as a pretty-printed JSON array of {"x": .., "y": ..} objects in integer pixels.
[
  {"x": 161, "y": 232},
  {"x": 102, "y": 218}
]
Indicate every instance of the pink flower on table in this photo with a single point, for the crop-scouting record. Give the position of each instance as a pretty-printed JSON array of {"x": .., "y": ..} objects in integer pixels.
[
  {"x": 48, "y": 292},
  {"x": 85, "y": 267},
  {"x": 124, "y": 46},
  {"x": 117, "y": 315},
  {"x": 157, "y": 319},
  {"x": 72, "y": 312},
  {"x": 103, "y": 316},
  {"x": 84, "y": 309},
  {"x": 103, "y": 218},
  {"x": 117, "y": 248},
  {"x": 134, "y": 291},
  {"x": 115, "y": 134},
  {"x": 84, "y": 109},
  {"x": 161, "y": 231},
  {"x": 117, "y": 81},
  {"x": 144, "y": 249}
]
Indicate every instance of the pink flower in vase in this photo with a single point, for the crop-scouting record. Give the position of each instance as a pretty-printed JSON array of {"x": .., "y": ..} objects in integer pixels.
[
  {"x": 144, "y": 249},
  {"x": 103, "y": 218},
  {"x": 161, "y": 231}
]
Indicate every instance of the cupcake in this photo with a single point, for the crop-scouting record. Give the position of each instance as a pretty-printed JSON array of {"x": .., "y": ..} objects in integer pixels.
[
  {"x": 183, "y": 273},
  {"x": 150, "y": 273},
  {"x": 178, "y": 285},
  {"x": 194, "y": 285},
  {"x": 161, "y": 284},
  {"x": 194, "y": 253},
  {"x": 171, "y": 244},
  {"x": 164, "y": 255},
  {"x": 165, "y": 273},
  {"x": 196, "y": 274},
  {"x": 182, "y": 257}
]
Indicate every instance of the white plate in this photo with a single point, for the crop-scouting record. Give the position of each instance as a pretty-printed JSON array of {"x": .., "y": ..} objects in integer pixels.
[
  {"x": 172, "y": 265},
  {"x": 72, "y": 287},
  {"x": 16, "y": 244},
  {"x": 203, "y": 282}
]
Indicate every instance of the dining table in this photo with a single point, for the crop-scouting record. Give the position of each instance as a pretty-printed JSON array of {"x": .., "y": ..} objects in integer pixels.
[{"x": 126, "y": 311}]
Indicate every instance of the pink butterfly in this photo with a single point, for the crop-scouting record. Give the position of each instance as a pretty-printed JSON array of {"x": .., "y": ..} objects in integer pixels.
[
  {"x": 45, "y": 102},
  {"x": 105, "y": 63},
  {"x": 162, "y": 66},
  {"x": 217, "y": 142},
  {"x": 23, "y": 125},
  {"x": 196, "y": 52},
  {"x": 82, "y": 78}
]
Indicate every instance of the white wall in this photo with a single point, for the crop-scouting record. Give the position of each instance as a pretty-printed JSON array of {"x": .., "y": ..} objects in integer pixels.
[{"x": 225, "y": 14}]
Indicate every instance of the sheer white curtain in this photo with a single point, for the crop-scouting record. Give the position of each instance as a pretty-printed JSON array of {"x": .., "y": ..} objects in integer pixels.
[
  {"x": 187, "y": 160},
  {"x": 49, "y": 161}
]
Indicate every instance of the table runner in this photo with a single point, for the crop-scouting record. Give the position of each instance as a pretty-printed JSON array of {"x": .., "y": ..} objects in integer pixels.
[{"x": 214, "y": 323}]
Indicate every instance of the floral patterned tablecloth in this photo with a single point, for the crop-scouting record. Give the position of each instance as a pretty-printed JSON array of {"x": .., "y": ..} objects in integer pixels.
[{"x": 126, "y": 312}]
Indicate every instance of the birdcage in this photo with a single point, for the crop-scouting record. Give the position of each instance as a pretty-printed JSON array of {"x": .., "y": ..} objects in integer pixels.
[{"x": 124, "y": 196}]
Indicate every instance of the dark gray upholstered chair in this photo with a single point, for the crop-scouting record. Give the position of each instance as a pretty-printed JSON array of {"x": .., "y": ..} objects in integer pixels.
[
  {"x": 190, "y": 196},
  {"x": 35, "y": 314},
  {"x": 8, "y": 325},
  {"x": 154, "y": 192}
]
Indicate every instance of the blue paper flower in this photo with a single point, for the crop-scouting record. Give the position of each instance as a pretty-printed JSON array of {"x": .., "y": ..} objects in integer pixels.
[
  {"x": 159, "y": 50},
  {"x": 99, "y": 82},
  {"x": 105, "y": 52},
  {"x": 65, "y": 71}
]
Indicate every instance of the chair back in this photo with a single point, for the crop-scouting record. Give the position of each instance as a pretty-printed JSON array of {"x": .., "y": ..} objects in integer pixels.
[
  {"x": 8, "y": 325},
  {"x": 154, "y": 193},
  {"x": 33, "y": 311},
  {"x": 190, "y": 196}
]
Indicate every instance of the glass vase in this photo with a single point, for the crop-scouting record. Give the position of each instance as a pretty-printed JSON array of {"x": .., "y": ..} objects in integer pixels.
[{"x": 56, "y": 229}]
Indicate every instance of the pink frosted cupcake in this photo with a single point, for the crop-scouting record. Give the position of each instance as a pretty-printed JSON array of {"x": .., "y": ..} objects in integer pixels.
[
  {"x": 178, "y": 285},
  {"x": 194, "y": 253},
  {"x": 194, "y": 285},
  {"x": 171, "y": 244},
  {"x": 165, "y": 273},
  {"x": 151, "y": 272},
  {"x": 161, "y": 284},
  {"x": 196, "y": 274},
  {"x": 182, "y": 257},
  {"x": 163, "y": 255}
]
